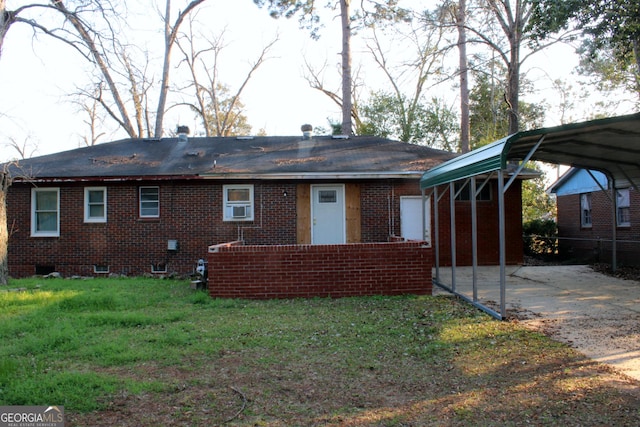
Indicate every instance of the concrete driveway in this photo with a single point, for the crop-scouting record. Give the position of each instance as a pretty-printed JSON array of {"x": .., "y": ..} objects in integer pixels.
[{"x": 594, "y": 313}]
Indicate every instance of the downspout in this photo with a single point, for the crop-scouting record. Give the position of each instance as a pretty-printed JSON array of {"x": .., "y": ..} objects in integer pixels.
[{"x": 425, "y": 198}]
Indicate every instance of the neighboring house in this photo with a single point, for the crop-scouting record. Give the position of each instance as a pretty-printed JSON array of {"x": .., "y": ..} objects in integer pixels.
[
  {"x": 586, "y": 215},
  {"x": 155, "y": 205}
]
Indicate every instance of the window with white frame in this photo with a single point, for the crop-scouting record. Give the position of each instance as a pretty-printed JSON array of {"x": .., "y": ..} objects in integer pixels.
[
  {"x": 45, "y": 212},
  {"x": 238, "y": 202},
  {"x": 95, "y": 204},
  {"x": 149, "y": 202},
  {"x": 622, "y": 208},
  {"x": 585, "y": 210}
]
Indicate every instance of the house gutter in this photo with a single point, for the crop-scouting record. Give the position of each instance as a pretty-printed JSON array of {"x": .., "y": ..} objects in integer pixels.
[
  {"x": 243, "y": 175},
  {"x": 315, "y": 175},
  {"x": 126, "y": 178},
  {"x": 236, "y": 176}
]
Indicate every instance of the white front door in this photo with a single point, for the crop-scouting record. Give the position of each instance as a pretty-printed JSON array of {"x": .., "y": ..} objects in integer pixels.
[
  {"x": 411, "y": 226},
  {"x": 327, "y": 214}
]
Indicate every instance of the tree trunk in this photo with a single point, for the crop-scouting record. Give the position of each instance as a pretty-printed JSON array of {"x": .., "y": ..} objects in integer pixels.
[
  {"x": 86, "y": 37},
  {"x": 516, "y": 25},
  {"x": 513, "y": 88},
  {"x": 347, "y": 127},
  {"x": 6, "y": 19},
  {"x": 512, "y": 21},
  {"x": 170, "y": 35},
  {"x": 465, "y": 132},
  {"x": 164, "y": 85},
  {"x": 4, "y": 231},
  {"x": 636, "y": 54}
]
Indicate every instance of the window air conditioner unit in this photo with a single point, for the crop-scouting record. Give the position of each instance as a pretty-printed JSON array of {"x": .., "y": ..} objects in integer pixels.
[{"x": 239, "y": 211}]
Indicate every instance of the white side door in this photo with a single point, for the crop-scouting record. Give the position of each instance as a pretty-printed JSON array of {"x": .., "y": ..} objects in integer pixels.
[
  {"x": 327, "y": 214},
  {"x": 411, "y": 225}
]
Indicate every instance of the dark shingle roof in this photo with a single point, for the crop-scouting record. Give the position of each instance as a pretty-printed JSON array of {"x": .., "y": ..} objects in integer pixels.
[{"x": 230, "y": 156}]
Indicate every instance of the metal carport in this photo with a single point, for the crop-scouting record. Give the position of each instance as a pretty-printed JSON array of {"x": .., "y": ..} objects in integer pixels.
[{"x": 611, "y": 146}]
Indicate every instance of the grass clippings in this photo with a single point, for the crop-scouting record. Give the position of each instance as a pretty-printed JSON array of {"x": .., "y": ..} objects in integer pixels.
[{"x": 145, "y": 352}]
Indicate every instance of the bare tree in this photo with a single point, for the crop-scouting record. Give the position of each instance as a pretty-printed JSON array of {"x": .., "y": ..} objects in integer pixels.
[
  {"x": 6, "y": 20},
  {"x": 89, "y": 104},
  {"x": 315, "y": 79},
  {"x": 104, "y": 49},
  {"x": 25, "y": 149},
  {"x": 381, "y": 10},
  {"x": 170, "y": 36},
  {"x": 99, "y": 56},
  {"x": 512, "y": 18},
  {"x": 219, "y": 110},
  {"x": 424, "y": 70}
]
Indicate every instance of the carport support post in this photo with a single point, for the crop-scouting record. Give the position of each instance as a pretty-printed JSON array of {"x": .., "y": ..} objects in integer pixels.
[
  {"x": 614, "y": 216},
  {"x": 436, "y": 232},
  {"x": 614, "y": 226},
  {"x": 474, "y": 237},
  {"x": 452, "y": 217},
  {"x": 503, "y": 255}
]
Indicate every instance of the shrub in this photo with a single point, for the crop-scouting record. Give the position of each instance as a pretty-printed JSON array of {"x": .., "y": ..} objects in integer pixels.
[{"x": 540, "y": 237}]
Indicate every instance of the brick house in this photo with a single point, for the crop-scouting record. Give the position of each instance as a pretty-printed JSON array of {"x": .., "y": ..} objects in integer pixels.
[
  {"x": 155, "y": 205},
  {"x": 585, "y": 218}
]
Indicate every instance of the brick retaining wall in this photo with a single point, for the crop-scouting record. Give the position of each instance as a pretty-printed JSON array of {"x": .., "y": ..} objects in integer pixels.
[{"x": 304, "y": 271}]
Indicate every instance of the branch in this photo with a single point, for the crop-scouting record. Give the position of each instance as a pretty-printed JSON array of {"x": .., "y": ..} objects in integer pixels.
[
  {"x": 83, "y": 32},
  {"x": 261, "y": 58},
  {"x": 316, "y": 83},
  {"x": 36, "y": 26},
  {"x": 171, "y": 33},
  {"x": 244, "y": 405}
]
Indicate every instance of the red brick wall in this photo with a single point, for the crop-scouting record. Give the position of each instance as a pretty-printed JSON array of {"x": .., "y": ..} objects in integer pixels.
[
  {"x": 588, "y": 244},
  {"x": 191, "y": 213},
  {"x": 302, "y": 271},
  {"x": 381, "y": 208},
  {"x": 488, "y": 228}
]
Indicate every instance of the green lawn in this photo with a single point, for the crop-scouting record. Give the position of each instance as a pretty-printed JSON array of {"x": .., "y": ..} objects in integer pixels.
[{"x": 147, "y": 352}]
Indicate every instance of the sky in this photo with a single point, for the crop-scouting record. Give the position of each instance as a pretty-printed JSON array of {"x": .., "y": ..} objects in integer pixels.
[{"x": 36, "y": 73}]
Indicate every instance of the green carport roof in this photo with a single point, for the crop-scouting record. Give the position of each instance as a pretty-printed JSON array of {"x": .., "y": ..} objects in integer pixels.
[{"x": 610, "y": 145}]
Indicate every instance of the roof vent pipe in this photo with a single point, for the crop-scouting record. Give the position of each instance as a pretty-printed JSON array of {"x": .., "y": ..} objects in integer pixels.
[
  {"x": 183, "y": 132},
  {"x": 307, "y": 130}
]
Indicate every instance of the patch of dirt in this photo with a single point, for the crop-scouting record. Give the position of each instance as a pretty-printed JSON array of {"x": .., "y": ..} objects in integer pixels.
[
  {"x": 234, "y": 389},
  {"x": 625, "y": 272}
]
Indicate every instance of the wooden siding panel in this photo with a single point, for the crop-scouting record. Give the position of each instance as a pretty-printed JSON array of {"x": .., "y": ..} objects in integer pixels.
[
  {"x": 353, "y": 213},
  {"x": 303, "y": 209}
]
